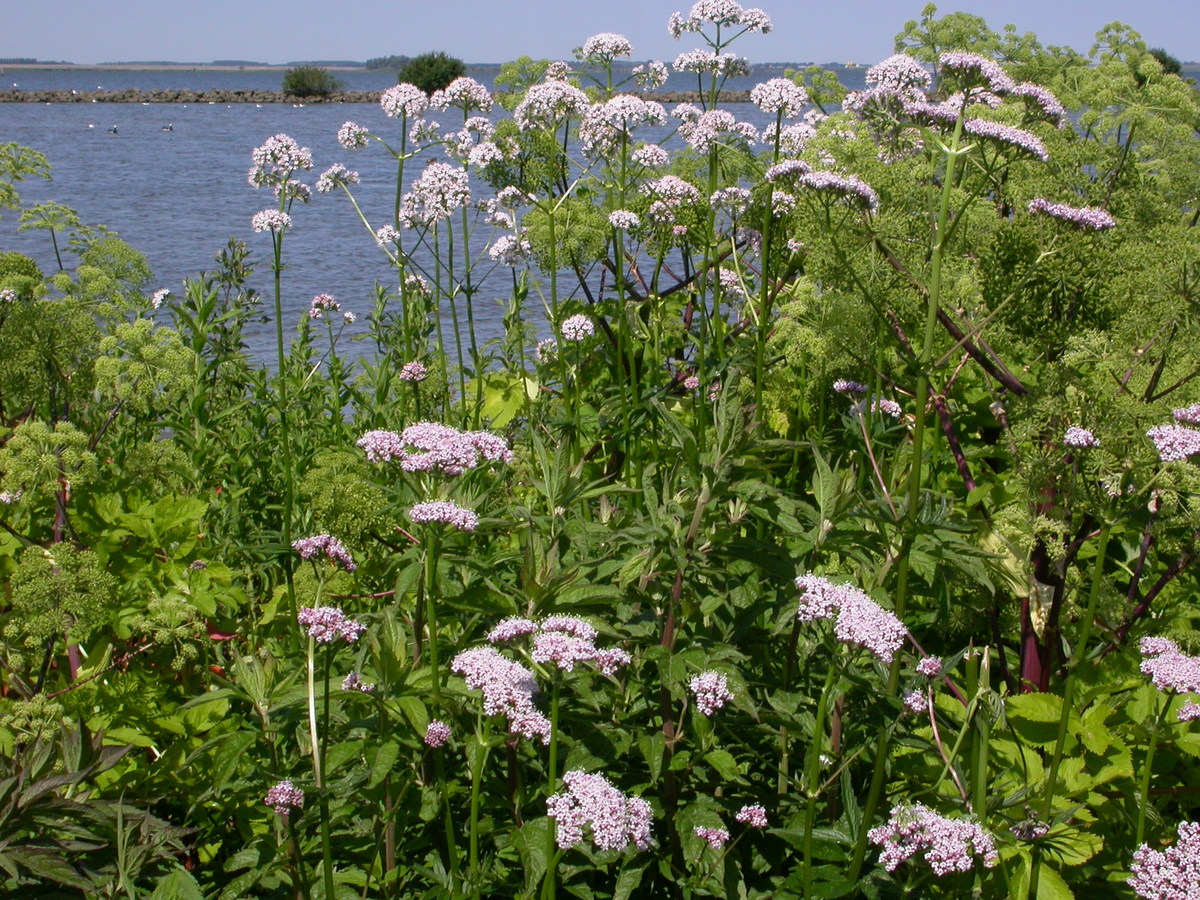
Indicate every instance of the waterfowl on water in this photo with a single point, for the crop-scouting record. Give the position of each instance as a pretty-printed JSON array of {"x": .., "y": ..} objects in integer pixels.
[
  {"x": 112, "y": 129},
  {"x": 170, "y": 127}
]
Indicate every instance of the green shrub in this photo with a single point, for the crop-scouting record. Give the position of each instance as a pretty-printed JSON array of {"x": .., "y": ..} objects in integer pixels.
[
  {"x": 19, "y": 273},
  {"x": 432, "y": 71},
  {"x": 310, "y": 81}
]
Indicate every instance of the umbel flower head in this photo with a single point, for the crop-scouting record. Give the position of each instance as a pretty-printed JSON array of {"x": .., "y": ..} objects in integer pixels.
[
  {"x": 326, "y": 624},
  {"x": 711, "y": 690},
  {"x": 508, "y": 688},
  {"x": 590, "y": 801},
  {"x": 325, "y": 545},
  {"x": 858, "y": 618},
  {"x": 948, "y": 845},
  {"x": 284, "y": 797},
  {"x": 431, "y": 447},
  {"x": 1171, "y": 874},
  {"x": 563, "y": 641}
]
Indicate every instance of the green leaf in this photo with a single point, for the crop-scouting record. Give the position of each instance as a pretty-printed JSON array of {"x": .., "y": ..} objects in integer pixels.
[
  {"x": 724, "y": 764},
  {"x": 177, "y": 884},
  {"x": 1034, "y": 717},
  {"x": 384, "y": 761}
]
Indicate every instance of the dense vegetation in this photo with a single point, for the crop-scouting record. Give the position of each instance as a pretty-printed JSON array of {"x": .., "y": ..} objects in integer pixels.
[
  {"x": 309, "y": 81},
  {"x": 387, "y": 63},
  {"x": 432, "y": 71},
  {"x": 839, "y": 537}
]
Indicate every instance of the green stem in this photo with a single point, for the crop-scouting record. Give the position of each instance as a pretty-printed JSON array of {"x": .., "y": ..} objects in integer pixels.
[
  {"x": 476, "y": 781},
  {"x": 1147, "y": 770},
  {"x": 813, "y": 777},
  {"x": 550, "y": 886}
]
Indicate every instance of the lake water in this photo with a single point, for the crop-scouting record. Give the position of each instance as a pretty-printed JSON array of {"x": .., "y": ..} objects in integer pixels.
[{"x": 179, "y": 195}]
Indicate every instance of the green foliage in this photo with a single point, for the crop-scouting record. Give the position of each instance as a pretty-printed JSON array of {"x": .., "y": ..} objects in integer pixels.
[
  {"x": 59, "y": 594},
  {"x": 307, "y": 82},
  {"x": 16, "y": 164},
  {"x": 393, "y": 63},
  {"x": 431, "y": 71},
  {"x": 19, "y": 274},
  {"x": 1170, "y": 65},
  {"x": 516, "y": 77}
]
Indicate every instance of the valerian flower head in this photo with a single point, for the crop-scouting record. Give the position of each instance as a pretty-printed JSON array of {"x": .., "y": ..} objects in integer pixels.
[
  {"x": 327, "y": 623},
  {"x": 711, "y": 690},
  {"x": 707, "y": 62},
  {"x": 441, "y": 189},
  {"x": 404, "y": 101},
  {"x": 464, "y": 93},
  {"x": 276, "y": 160},
  {"x": 284, "y": 797},
  {"x": 429, "y": 446},
  {"x": 271, "y": 220},
  {"x": 325, "y": 545},
  {"x": 1007, "y": 135},
  {"x": 753, "y": 815},
  {"x": 857, "y": 618},
  {"x": 604, "y": 47},
  {"x": 591, "y": 801},
  {"x": 1168, "y": 667},
  {"x": 847, "y": 187},
  {"x": 1174, "y": 442},
  {"x": 321, "y": 304},
  {"x": 508, "y": 689},
  {"x": 547, "y": 104},
  {"x": 1189, "y": 414},
  {"x": 445, "y": 512},
  {"x": 1171, "y": 874},
  {"x": 437, "y": 733},
  {"x": 413, "y": 371},
  {"x": 577, "y": 328},
  {"x": 948, "y": 845},
  {"x": 605, "y": 124},
  {"x": 1086, "y": 218},
  {"x": 353, "y": 136},
  {"x": 723, "y": 13},
  {"x": 1079, "y": 438},
  {"x": 354, "y": 682},
  {"x": 900, "y": 74},
  {"x": 651, "y": 76},
  {"x": 335, "y": 176},
  {"x": 974, "y": 70},
  {"x": 930, "y": 667},
  {"x": 1042, "y": 103},
  {"x": 779, "y": 96},
  {"x": 623, "y": 218},
  {"x": 716, "y": 838}
]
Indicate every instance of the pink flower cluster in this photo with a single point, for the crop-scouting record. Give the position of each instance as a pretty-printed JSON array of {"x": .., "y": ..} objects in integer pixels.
[
  {"x": 859, "y": 619},
  {"x": 445, "y": 512},
  {"x": 1080, "y": 438},
  {"x": 716, "y": 837},
  {"x": 711, "y": 690},
  {"x": 1017, "y": 138},
  {"x": 508, "y": 689},
  {"x": 321, "y": 304},
  {"x": 615, "y": 821},
  {"x": 1042, "y": 101},
  {"x": 605, "y": 47},
  {"x": 441, "y": 189},
  {"x": 547, "y": 104},
  {"x": 724, "y": 13},
  {"x": 403, "y": 101},
  {"x": 855, "y": 191},
  {"x": 563, "y": 641},
  {"x": 577, "y": 328},
  {"x": 414, "y": 371},
  {"x": 1088, "y": 218},
  {"x": 437, "y": 733},
  {"x": 930, "y": 667},
  {"x": 335, "y": 176},
  {"x": 1189, "y": 414},
  {"x": 1168, "y": 667},
  {"x": 430, "y": 447},
  {"x": 706, "y": 62},
  {"x": 948, "y": 845},
  {"x": 780, "y": 96},
  {"x": 353, "y": 682},
  {"x": 464, "y": 93},
  {"x": 1174, "y": 442},
  {"x": 605, "y": 124},
  {"x": 1171, "y": 874},
  {"x": 753, "y": 815},
  {"x": 978, "y": 70},
  {"x": 271, "y": 220},
  {"x": 716, "y": 126},
  {"x": 900, "y": 74},
  {"x": 325, "y": 545},
  {"x": 284, "y": 797},
  {"x": 353, "y": 136},
  {"x": 277, "y": 158},
  {"x": 326, "y": 624}
]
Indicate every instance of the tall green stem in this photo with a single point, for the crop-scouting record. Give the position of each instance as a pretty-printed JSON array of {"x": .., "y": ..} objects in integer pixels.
[{"x": 813, "y": 776}]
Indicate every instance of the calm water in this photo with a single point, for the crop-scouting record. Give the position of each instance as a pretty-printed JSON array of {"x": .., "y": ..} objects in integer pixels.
[{"x": 179, "y": 195}]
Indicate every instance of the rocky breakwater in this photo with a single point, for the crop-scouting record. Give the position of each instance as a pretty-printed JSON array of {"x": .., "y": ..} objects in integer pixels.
[{"x": 181, "y": 96}]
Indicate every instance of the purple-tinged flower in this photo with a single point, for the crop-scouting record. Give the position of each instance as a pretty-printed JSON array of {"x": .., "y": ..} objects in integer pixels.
[
  {"x": 604, "y": 124},
  {"x": 8, "y": 295},
  {"x": 930, "y": 667},
  {"x": 328, "y": 546},
  {"x": 464, "y": 93},
  {"x": 353, "y": 136},
  {"x": 335, "y": 176},
  {"x": 327, "y": 623},
  {"x": 977, "y": 71},
  {"x": 787, "y": 171},
  {"x": 387, "y": 234},
  {"x": 404, "y": 101},
  {"x": 508, "y": 689},
  {"x": 1189, "y": 712},
  {"x": 652, "y": 75},
  {"x": 293, "y": 190},
  {"x": 779, "y": 96},
  {"x": 1171, "y": 874},
  {"x": 900, "y": 74},
  {"x": 547, "y": 104},
  {"x": 887, "y": 407},
  {"x": 571, "y": 625},
  {"x": 437, "y": 733},
  {"x": 706, "y": 62},
  {"x": 577, "y": 328},
  {"x": 429, "y": 446},
  {"x": 1080, "y": 438},
  {"x": 321, "y": 304},
  {"x": 354, "y": 682},
  {"x": 1168, "y": 667},
  {"x": 1174, "y": 442},
  {"x": 1030, "y": 830},
  {"x": 732, "y": 200},
  {"x": 441, "y": 189},
  {"x": 915, "y": 702},
  {"x": 1041, "y": 101},
  {"x": 753, "y": 815},
  {"x": 948, "y": 845},
  {"x": 669, "y": 194},
  {"x": 651, "y": 156},
  {"x": 604, "y": 47},
  {"x": 271, "y": 220},
  {"x": 1008, "y": 135},
  {"x": 545, "y": 350},
  {"x": 590, "y": 801},
  {"x": 284, "y": 797},
  {"x": 716, "y": 837},
  {"x": 859, "y": 619},
  {"x": 1088, "y": 218},
  {"x": 446, "y": 512},
  {"x": 1189, "y": 414},
  {"x": 159, "y": 297},
  {"x": 711, "y": 690},
  {"x": 623, "y": 218},
  {"x": 277, "y": 158},
  {"x": 8, "y": 498},
  {"x": 691, "y": 383},
  {"x": 510, "y": 250},
  {"x": 845, "y": 386},
  {"x": 414, "y": 371},
  {"x": 855, "y": 192},
  {"x": 511, "y": 628}
]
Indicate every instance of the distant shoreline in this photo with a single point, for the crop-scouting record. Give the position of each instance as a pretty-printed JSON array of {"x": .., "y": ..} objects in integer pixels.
[{"x": 256, "y": 96}]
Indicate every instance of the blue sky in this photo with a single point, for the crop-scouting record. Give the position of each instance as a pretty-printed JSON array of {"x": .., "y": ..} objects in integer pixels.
[{"x": 277, "y": 31}]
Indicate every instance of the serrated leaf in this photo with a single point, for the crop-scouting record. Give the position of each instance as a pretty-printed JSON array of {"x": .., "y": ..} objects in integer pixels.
[
  {"x": 724, "y": 764},
  {"x": 177, "y": 884}
]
